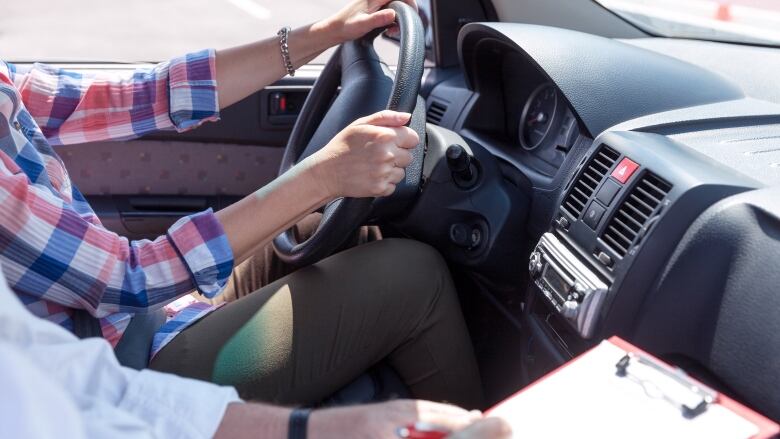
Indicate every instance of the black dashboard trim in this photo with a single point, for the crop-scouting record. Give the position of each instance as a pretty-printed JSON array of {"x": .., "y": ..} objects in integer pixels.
[{"x": 601, "y": 91}]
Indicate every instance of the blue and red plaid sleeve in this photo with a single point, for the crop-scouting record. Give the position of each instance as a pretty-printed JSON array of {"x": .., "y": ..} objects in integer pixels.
[
  {"x": 52, "y": 253},
  {"x": 73, "y": 107}
]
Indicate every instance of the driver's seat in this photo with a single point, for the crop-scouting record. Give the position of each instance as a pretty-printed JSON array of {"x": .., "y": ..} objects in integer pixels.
[{"x": 380, "y": 383}]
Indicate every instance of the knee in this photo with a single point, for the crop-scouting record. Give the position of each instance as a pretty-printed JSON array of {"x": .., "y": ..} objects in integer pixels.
[
  {"x": 411, "y": 257},
  {"x": 416, "y": 269}
]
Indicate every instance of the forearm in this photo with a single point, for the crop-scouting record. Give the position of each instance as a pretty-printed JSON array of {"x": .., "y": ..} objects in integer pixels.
[
  {"x": 243, "y": 70},
  {"x": 253, "y": 421},
  {"x": 259, "y": 217},
  {"x": 355, "y": 422}
]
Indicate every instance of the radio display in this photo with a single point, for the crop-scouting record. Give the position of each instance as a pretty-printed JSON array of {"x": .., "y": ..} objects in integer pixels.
[{"x": 556, "y": 282}]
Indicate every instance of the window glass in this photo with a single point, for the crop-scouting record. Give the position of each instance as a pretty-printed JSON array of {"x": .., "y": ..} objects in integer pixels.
[
  {"x": 743, "y": 21},
  {"x": 151, "y": 30}
]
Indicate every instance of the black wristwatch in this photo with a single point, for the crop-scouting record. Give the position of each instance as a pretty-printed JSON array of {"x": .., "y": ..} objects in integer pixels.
[{"x": 299, "y": 421}]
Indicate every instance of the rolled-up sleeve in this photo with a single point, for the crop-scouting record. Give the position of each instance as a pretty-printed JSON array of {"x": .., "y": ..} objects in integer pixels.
[
  {"x": 202, "y": 245},
  {"x": 53, "y": 253},
  {"x": 77, "y": 107}
]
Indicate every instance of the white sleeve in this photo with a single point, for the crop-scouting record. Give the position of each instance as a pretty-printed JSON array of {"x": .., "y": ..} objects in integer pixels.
[
  {"x": 109, "y": 400},
  {"x": 177, "y": 407},
  {"x": 33, "y": 405}
]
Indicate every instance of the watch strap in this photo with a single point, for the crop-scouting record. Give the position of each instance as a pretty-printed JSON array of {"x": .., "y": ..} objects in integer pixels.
[{"x": 299, "y": 422}]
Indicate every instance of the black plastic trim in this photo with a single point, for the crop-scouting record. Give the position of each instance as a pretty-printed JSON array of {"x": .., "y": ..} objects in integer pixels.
[{"x": 612, "y": 82}]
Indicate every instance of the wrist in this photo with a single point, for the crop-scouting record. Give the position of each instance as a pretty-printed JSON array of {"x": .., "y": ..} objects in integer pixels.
[
  {"x": 345, "y": 423},
  {"x": 315, "y": 179},
  {"x": 328, "y": 31}
]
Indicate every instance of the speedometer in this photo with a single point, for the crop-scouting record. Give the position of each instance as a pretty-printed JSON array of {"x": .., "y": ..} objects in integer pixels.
[{"x": 538, "y": 116}]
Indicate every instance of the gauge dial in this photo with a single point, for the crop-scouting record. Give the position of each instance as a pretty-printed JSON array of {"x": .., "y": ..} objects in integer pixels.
[{"x": 538, "y": 116}]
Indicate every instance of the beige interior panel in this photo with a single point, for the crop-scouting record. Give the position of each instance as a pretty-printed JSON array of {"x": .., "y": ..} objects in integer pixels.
[{"x": 154, "y": 167}]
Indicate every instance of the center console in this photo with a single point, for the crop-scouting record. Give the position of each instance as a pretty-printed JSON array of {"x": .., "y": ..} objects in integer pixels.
[
  {"x": 567, "y": 284},
  {"x": 620, "y": 216}
]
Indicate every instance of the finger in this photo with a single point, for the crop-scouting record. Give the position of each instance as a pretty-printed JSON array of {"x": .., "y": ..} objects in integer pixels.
[
  {"x": 373, "y": 5},
  {"x": 406, "y": 138},
  {"x": 403, "y": 158},
  {"x": 393, "y": 31},
  {"x": 452, "y": 423},
  {"x": 490, "y": 427},
  {"x": 396, "y": 175},
  {"x": 376, "y": 4},
  {"x": 385, "y": 118},
  {"x": 448, "y": 409},
  {"x": 401, "y": 137},
  {"x": 381, "y": 18},
  {"x": 448, "y": 416},
  {"x": 389, "y": 191}
]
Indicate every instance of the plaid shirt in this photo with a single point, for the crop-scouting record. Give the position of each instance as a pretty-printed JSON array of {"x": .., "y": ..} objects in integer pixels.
[{"x": 55, "y": 253}]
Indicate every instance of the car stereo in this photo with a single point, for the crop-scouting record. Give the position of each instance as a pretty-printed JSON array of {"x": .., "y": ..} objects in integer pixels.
[{"x": 575, "y": 292}]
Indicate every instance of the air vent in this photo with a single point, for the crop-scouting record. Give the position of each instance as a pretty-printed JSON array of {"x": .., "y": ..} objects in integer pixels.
[
  {"x": 633, "y": 217},
  {"x": 436, "y": 112},
  {"x": 598, "y": 167}
]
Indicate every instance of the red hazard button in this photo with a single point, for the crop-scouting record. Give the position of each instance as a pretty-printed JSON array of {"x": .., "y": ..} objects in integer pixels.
[{"x": 625, "y": 169}]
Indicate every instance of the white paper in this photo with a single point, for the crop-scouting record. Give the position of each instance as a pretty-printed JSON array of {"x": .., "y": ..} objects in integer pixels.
[{"x": 587, "y": 399}]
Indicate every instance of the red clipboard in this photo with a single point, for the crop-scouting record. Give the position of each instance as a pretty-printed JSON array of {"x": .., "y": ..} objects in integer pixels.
[{"x": 535, "y": 400}]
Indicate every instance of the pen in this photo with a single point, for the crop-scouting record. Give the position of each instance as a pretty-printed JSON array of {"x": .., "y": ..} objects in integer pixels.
[{"x": 422, "y": 430}]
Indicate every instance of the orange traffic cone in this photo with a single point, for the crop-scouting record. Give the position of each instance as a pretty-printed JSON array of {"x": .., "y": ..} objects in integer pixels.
[{"x": 723, "y": 13}]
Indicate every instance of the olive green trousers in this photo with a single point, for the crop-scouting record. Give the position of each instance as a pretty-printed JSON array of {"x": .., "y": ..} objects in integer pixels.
[{"x": 302, "y": 337}]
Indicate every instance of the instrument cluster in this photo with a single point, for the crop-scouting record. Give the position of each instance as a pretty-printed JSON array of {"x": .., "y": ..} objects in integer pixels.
[{"x": 547, "y": 128}]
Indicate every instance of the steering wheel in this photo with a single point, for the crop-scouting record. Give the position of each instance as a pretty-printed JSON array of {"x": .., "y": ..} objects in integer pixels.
[{"x": 366, "y": 86}]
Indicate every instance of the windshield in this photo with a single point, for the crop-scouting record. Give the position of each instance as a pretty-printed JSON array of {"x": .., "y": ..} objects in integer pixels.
[
  {"x": 150, "y": 30},
  {"x": 742, "y": 21}
]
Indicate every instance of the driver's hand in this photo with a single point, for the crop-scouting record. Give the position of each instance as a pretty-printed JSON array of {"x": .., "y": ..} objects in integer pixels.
[
  {"x": 367, "y": 158},
  {"x": 360, "y": 17}
]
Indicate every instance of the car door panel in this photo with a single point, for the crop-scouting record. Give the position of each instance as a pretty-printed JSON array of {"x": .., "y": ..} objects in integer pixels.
[
  {"x": 170, "y": 167},
  {"x": 140, "y": 187}
]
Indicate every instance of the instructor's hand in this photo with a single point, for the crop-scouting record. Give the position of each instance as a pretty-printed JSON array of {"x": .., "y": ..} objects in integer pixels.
[
  {"x": 488, "y": 428},
  {"x": 367, "y": 158},
  {"x": 360, "y": 17},
  {"x": 381, "y": 421}
]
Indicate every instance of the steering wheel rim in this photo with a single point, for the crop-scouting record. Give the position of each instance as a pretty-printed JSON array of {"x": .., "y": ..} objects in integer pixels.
[{"x": 356, "y": 67}]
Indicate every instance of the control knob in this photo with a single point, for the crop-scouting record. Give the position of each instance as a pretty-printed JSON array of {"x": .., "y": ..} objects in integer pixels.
[
  {"x": 535, "y": 264},
  {"x": 579, "y": 293},
  {"x": 569, "y": 309}
]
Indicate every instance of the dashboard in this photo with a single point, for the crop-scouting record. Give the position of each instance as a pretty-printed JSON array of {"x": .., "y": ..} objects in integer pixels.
[
  {"x": 546, "y": 124},
  {"x": 539, "y": 122},
  {"x": 650, "y": 192}
]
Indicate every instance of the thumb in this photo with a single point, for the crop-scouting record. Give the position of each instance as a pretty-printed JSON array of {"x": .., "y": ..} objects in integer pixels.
[
  {"x": 385, "y": 118},
  {"x": 490, "y": 427}
]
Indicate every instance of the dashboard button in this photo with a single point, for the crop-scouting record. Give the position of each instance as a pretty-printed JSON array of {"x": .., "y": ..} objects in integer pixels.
[
  {"x": 607, "y": 192},
  {"x": 625, "y": 169},
  {"x": 593, "y": 215},
  {"x": 605, "y": 259}
]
